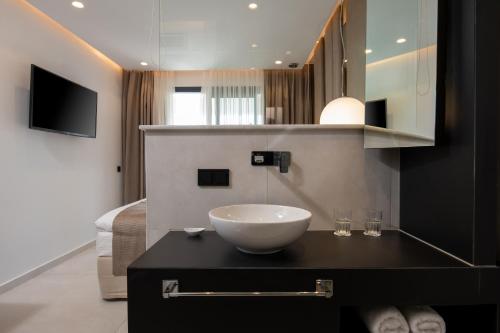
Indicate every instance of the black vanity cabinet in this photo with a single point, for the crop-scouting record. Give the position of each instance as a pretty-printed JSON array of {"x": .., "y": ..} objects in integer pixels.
[
  {"x": 150, "y": 312},
  {"x": 392, "y": 269}
]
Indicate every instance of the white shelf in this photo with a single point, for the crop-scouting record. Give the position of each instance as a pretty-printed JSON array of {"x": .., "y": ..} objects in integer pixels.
[
  {"x": 376, "y": 137},
  {"x": 156, "y": 128}
]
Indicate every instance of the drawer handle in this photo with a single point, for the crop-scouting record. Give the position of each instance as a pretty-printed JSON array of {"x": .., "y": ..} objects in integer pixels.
[{"x": 324, "y": 288}]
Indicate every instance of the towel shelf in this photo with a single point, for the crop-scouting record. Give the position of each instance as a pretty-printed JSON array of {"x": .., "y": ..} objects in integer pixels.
[{"x": 324, "y": 288}]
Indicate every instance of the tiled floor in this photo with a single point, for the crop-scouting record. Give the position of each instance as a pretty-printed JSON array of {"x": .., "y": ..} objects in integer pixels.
[{"x": 63, "y": 299}]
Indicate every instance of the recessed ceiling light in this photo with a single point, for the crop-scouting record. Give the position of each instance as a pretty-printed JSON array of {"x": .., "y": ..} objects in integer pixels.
[
  {"x": 253, "y": 6},
  {"x": 278, "y": 62},
  {"x": 401, "y": 40},
  {"x": 255, "y": 45},
  {"x": 143, "y": 63},
  {"x": 77, "y": 4},
  {"x": 288, "y": 52},
  {"x": 368, "y": 51}
]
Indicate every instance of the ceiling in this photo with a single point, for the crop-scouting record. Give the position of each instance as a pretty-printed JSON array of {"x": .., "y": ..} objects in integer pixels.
[
  {"x": 196, "y": 34},
  {"x": 389, "y": 20}
]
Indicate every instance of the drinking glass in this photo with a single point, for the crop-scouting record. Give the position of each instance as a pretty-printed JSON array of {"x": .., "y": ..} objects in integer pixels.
[
  {"x": 343, "y": 219},
  {"x": 373, "y": 223}
]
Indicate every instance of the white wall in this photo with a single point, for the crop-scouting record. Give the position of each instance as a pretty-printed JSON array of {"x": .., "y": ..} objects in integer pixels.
[
  {"x": 52, "y": 186},
  {"x": 330, "y": 169}
]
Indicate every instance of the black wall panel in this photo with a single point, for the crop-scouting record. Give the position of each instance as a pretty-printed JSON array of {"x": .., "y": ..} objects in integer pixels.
[{"x": 448, "y": 192}]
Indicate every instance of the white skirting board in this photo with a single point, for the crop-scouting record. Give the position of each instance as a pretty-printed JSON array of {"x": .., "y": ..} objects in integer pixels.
[{"x": 44, "y": 267}]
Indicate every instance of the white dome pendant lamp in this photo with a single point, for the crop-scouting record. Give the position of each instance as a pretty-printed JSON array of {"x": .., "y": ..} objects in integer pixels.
[{"x": 343, "y": 110}]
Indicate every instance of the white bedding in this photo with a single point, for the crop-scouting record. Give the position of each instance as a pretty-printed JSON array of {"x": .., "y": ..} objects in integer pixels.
[
  {"x": 104, "y": 244},
  {"x": 105, "y": 222}
]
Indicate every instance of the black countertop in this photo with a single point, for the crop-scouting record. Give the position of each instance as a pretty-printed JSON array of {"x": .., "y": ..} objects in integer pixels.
[
  {"x": 314, "y": 250},
  {"x": 392, "y": 269}
]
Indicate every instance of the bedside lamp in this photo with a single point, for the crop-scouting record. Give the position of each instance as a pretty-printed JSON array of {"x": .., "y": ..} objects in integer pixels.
[{"x": 343, "y": 111}]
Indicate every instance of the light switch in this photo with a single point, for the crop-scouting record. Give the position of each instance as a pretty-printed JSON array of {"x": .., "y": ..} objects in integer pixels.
[{"x": 213, "y": 177}]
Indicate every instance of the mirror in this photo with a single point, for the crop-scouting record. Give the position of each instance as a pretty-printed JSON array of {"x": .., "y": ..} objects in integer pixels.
[
  {"x": 254, "y": 62},
  {"x": 235, "y": 62},
  {"x": 401, "y": 62}
]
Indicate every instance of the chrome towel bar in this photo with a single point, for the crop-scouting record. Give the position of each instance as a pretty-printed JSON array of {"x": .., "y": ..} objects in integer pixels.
[{"x": 324, "y": 288}]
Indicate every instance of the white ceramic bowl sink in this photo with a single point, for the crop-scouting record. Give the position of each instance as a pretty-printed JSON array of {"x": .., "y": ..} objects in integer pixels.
[{"x": 260, "y": 229}]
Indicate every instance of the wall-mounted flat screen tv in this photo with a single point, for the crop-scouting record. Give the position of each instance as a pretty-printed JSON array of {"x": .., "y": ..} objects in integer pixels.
[
  {"x": 376, "y": 113},
  {"x": 62, "y": 106}
]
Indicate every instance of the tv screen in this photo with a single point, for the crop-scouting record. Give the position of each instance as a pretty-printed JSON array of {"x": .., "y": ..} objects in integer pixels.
[
  {"x": 376, "y": 113},
  {"x": 59, "y": 105}
]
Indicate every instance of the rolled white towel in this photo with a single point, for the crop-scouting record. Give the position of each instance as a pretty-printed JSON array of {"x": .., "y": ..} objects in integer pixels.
[
  {"x": 423, "y": 319},
  {"x": 384, "y": 319}
]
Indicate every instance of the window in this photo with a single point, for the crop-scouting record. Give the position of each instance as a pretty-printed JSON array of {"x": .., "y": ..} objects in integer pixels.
[
  {"x": 188, "y": 106},
  {"x": 228, "y": 106}
]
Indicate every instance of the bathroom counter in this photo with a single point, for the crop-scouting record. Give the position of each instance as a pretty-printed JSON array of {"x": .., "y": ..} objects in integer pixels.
[
  {"x": 392, "y": 269},
  {"x": 315, "y": 250}
]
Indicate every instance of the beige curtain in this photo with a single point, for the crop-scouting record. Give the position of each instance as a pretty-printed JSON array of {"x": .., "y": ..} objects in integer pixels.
[
  {"x": 333, "y": 60},
  {"x": 318, "y": 61},
  {"x": 289, "y": 96},
  {"x": 327, "y": 61},
  {"x": 355, "y": 36},
  {"x": 137, "y": 109},
  {"x": 327, "y": 58}
]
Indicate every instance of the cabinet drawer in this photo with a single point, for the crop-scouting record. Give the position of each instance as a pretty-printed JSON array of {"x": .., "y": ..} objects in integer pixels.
[{"x": 150, "y": 311}]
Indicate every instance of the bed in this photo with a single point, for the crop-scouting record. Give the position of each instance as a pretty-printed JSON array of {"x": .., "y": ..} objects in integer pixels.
[{"x": 112, "y": 285}]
